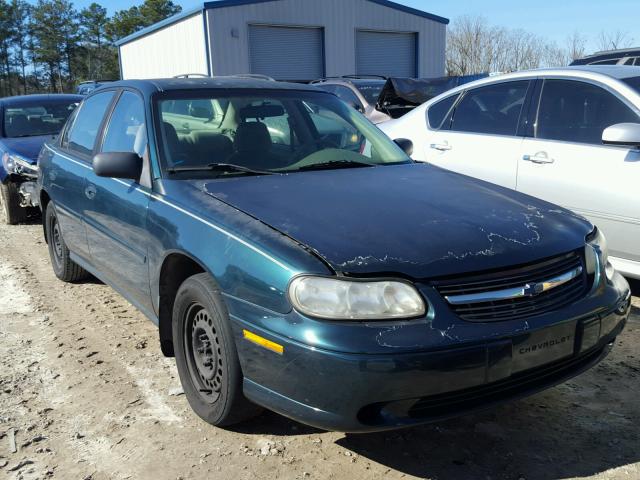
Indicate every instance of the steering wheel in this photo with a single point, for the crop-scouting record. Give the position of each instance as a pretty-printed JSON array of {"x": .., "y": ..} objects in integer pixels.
[{"x": 312, "y": 146}]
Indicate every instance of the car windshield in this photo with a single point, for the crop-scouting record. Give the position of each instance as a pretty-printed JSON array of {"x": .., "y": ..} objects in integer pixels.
[
  {"x": 371, "y": 90},
  {"x": 633, "y": 82},
  {"x": 266, "y": 132},
  {"x": 45, "y": 118}
]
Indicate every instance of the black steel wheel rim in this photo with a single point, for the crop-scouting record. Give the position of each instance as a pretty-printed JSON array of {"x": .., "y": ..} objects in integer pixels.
[
  {"x": 204, "y": 353},
  {"x": 56, "y": 241}
]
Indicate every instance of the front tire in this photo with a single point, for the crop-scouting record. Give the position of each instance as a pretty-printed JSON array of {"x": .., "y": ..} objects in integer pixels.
[
  {"x": 206, "y": 354},
  {"x": 10, "y": 210},
  {"x": 64, "y": 268}
]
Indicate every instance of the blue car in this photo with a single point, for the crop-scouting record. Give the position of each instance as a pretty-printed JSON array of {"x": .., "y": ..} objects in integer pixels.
[
  {"x": 26, "y": 122},
  {"x": 295, "y": 258}
]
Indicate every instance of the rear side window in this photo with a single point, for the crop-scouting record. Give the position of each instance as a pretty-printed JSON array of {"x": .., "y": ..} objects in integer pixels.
[
  {"x": 126, "y": 131},
  {"x": 439, "y": 111},
  {"x": 609, "y": 61},
  {"x": 494, "y": 109},
  {"x": 578, "y": 112},
  {"x": 81, "y": 136}
]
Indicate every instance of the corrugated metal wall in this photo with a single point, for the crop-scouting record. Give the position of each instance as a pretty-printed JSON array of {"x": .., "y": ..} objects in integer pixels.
[
  {"x": 176, "y": 49},
  {"x": 229, "y": 32}
]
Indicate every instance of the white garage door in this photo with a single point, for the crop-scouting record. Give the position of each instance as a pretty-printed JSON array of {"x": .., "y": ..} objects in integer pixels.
[
  {"x": 386, "y": 53},
  {"x": 286, "y": 53}
]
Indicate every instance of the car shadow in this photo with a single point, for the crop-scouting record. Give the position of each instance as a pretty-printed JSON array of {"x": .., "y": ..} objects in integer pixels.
[
  {"x": 270, "y": 423},
  {"x": 635, "y": 286},
  {"x": 548, "y": 436}
]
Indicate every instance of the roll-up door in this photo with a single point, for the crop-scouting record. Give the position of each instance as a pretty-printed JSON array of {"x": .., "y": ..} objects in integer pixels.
[
  {"x": 386, "y": 53},
  {"x": 286, "y": 53}
]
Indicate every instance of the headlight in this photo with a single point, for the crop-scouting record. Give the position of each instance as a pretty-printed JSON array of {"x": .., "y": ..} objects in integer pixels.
[
  {"x": 342, "y": 299},
  {"x": 17, "y": 164},
  {"x": 8, "y": 162},
  {"x": 597, "y": 254}
]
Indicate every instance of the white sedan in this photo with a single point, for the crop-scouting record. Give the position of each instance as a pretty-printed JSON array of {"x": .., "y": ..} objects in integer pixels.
[{"x": 570, "y": 136}]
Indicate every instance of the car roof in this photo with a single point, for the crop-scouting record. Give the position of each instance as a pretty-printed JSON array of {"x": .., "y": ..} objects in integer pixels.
[
  {"x": 616, "y": 72},
  {"x": 37, "y": 98},
  {"x": 612, "y": 52},
  {"x": 205, "y": 83}
]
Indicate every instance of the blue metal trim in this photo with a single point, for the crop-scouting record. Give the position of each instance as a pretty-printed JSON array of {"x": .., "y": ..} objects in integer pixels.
[
  {"x": 236, "y": 3},
  {"x": 157, "y": 26},
  {"x": 412, "y": 11}
]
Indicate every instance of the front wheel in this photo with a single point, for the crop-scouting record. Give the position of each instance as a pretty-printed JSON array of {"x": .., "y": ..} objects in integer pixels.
[
  {"x": 64, "y": 268},
  {"x": 10, "y": 210},
  {"x": 206, "y": 354}
]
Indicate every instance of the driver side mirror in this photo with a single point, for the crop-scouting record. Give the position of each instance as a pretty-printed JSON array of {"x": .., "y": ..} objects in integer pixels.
[
  {"x": 622, "y": 134},
  {"x": 405, "y": 144},
  {"x": 124, "y": 165}
]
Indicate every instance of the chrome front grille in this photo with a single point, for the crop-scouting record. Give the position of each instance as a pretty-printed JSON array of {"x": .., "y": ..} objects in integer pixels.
[{"x": 517, "y": 293}]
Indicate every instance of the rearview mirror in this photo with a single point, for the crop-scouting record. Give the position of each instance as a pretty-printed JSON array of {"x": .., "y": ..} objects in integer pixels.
[
  {"x": 622, "y": 134},
  {"x": 118, "y": 165},
  {"x": 405, "y": 144}
]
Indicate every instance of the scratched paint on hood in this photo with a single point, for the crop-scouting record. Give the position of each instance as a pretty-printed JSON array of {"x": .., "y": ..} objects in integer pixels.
[{"x": 416, "y": 220}]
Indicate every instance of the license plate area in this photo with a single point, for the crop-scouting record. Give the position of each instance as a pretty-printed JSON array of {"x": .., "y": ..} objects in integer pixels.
[{"x": 543, "y": 346}]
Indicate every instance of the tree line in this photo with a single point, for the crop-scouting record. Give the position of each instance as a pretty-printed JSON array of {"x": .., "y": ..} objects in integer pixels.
[
  {"x": 476, "y": 46},
  {"x": 50, "y": 46}
]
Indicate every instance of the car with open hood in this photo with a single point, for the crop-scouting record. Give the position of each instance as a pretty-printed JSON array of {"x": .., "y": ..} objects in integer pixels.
[
  {"x": 26, "y": 122},
  {"x": 295, "y": 258}
]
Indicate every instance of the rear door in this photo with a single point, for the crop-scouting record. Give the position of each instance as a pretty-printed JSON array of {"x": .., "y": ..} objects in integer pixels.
[
  {"x": 71, "y": 163},
  {"x": 481, "y": 136},
  {"x": 115, "y": 210},
  {"x": 566, "y": 163}
]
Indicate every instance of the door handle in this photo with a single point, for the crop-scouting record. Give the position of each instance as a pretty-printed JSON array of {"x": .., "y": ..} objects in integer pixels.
[
  {"x": 540, "y": 158},
  {"x": 442, "y": 147},
  {"x": 90, "y": 191}
]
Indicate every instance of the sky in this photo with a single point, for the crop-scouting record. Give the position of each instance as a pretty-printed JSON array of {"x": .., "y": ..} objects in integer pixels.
[{"x": 552, "y": 19}]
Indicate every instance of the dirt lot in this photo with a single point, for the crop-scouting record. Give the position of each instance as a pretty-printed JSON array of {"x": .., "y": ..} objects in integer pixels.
[{"x": 86, "y": 394}]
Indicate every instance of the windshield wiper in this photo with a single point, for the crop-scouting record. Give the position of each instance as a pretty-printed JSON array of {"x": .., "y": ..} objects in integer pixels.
[
  {"x": 220, "y": 167},
  {"x": 334, "y": 164}
]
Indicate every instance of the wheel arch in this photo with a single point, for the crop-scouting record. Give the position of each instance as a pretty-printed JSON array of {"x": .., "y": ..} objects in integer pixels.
[
  {"x": 176, "y": 267},
  {"x": 45, "y": 199}
]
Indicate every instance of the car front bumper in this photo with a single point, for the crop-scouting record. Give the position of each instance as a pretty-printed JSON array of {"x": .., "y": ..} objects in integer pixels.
[{"x": 360, "y": 392}]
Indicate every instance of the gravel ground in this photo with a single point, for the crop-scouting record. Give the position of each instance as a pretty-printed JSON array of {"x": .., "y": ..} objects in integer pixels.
[{"x": 86, "y": 394}]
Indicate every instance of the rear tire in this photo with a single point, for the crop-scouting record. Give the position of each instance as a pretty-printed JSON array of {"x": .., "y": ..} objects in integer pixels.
[
  {"x": 64, "y": 268},
  {"x": 206, "y": 354},
  {"x": 10, "y": 210}
]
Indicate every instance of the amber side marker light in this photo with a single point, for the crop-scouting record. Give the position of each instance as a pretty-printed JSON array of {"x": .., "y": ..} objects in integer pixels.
[{"x": 263, "y": 342}]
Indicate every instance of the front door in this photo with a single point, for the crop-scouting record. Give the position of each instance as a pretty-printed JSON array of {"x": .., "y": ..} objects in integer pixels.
[
  {"x": 116, "y": 210},
  {"x": 567, "y": 164},
  {"x": 481, "y": 137}
]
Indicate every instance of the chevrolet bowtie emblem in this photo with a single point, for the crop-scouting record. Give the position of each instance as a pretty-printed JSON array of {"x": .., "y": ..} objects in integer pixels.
[{"x": 533, "y": 289}]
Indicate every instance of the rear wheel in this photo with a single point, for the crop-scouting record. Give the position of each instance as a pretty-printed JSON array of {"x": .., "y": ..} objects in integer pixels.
[
  {"x": 64, "y": 268},
  {"x": 206, "y": 354},
  {"x": 10, "y": 210}
]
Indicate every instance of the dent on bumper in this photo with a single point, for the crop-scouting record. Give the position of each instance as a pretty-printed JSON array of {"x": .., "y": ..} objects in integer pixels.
[{"x": 366, "y": 392}]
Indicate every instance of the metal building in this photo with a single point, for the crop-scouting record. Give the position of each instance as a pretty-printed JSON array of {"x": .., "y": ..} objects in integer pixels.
[{"x": 290, "y": 40}]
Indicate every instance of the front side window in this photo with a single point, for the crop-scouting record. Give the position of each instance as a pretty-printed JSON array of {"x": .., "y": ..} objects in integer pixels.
[
  {"x": 275, "y": 132},
  {"x": 440, "y": 110},
  {"x": 82, "y": 134},
  {"x": 573, "y": 111},
  {"x": 494, "y": 109},
  {"x": 126, "y": 131},
  {"x": 45, "y": 118}
]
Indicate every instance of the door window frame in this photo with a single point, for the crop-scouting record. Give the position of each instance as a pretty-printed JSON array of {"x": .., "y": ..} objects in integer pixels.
[
  {"x": 524, "y": 112},
  {"x": 537, "y": 100},
  {"x": 83, "y": 157},
  {"x": 145, "y": 176}
]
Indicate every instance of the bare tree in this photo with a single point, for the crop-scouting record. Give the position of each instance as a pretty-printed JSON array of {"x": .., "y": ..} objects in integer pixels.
[
  {"x": 614, "y": 40},
  {"x": 474, "y": 46}
]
